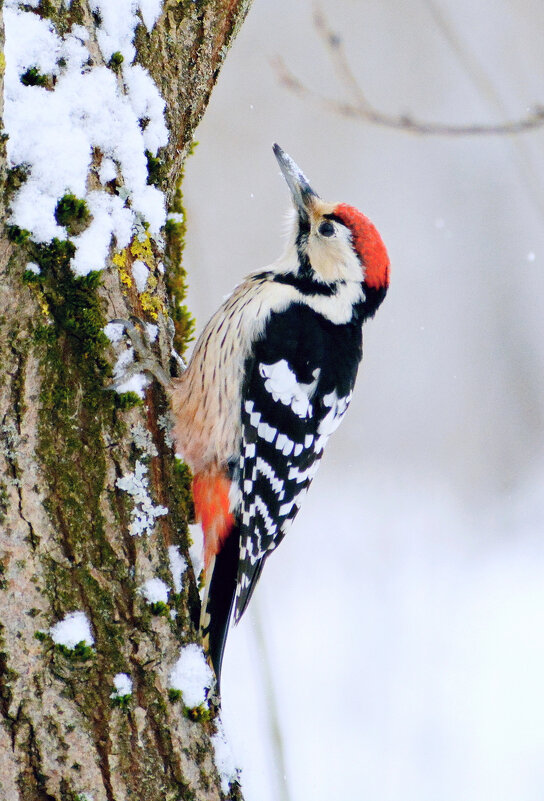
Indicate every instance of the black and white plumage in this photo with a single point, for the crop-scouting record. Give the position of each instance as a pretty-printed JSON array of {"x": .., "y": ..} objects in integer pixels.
[
  {"x": 297, "y": 390},
  {"x": 270, "y": 379}
]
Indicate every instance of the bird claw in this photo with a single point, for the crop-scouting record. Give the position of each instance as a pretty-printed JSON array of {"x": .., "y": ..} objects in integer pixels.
[{"x": 147, "y": 361}]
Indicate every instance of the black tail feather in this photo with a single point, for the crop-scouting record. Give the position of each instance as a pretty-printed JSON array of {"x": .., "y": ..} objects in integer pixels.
[
  {"x": 253, "y": 573},
  {"x": 220, "y": 600}
]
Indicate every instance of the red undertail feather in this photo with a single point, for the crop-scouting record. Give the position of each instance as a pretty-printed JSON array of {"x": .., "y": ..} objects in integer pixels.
[
  {"x": 369, "y": 245},
  {"x": 212, "y": 509}
]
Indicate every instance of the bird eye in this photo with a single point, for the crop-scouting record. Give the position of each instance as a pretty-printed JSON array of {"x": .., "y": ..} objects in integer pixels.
[{"x": 326, "y": 229}]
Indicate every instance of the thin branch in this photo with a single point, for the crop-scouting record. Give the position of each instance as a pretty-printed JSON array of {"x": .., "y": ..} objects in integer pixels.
[
  {"x": 358, "y": 106},
  {"x": 480, "y": 78}
]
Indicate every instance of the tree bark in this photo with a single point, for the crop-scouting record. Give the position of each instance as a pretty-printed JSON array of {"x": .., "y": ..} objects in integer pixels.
[{"x": 66, "y": 441}]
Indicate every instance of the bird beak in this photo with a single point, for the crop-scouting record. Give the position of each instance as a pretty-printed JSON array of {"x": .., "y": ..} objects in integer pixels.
[{"x": 297, "y": 182}]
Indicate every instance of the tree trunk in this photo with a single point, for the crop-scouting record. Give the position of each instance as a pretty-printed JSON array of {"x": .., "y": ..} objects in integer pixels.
[{"x": 91, "y": 495}]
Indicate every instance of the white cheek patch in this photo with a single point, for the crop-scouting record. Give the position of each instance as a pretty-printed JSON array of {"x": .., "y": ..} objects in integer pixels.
[
  {"x": 338, "y": 308},
  {"x": 282, "y": 384}
]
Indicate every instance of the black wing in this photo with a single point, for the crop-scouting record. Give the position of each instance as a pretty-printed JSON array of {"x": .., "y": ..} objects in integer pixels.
[{"x": 299, "y": 382}]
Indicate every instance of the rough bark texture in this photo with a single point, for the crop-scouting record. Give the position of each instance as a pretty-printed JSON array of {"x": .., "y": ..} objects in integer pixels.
[{"x": 64, "y": 441}]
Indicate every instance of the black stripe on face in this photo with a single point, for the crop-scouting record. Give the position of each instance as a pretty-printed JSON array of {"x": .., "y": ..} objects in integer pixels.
[
  {"x": 304, "y": 229},
  {"x": 335, "y": 218},
  {"x": 301, "y": 242},
  {"x": 262, "y": 276},
  {"x": 305, "y": 283}
]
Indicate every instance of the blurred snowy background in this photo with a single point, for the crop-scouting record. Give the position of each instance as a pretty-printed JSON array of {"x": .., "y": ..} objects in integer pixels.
[{"x": 403, "y": 616}]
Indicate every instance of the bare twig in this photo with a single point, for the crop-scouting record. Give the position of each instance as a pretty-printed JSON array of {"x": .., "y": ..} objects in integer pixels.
[
  {"x": 480, "y": 78},
  {"x": 358, "y": 105}
]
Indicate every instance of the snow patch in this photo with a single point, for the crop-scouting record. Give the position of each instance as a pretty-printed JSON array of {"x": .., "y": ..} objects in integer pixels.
[
  {"x": 150, "y": 11},
  {"x": 119, "y": 21},
  {"x": 133, "y": 383},
  {"x": 107, "y": 171},
  {"x": 196, "y": 549},
  {"x": 123, "y": 685},
  {"x": 109, "y": 218},
  {"x": 140, "y": 273},
  {"x": 152, "y": 331},
  {"x": 71, "y": 630},
  {"x": 178, "y": 566},
  {"x": 224, "y": 759},
  {"x": 136, "y": 383},
  {"x": 147, "y": 104},
  {"x": 113, "y": 331},
  {"x": 192, "y": 676},
  {"x": 53, "y": 131},
  {"x": 154, "y": 591}
]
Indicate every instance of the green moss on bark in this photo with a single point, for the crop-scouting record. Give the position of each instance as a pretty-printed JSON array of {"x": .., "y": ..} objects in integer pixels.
[
  {"x": 72, "y": 213},
  {"x": 60, "y": 15},
  {"x": 15, "y": 178},
  {"x": 33, "y": 77},
  {"x": 115, "y": 61},
  {"x": 74, "y": 413},
  {"x": 176, "y": 275}
]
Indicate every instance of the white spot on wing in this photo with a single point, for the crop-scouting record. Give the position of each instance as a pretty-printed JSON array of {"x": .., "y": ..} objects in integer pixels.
[
  {"x": 284, "y": 444},
  {"x": 266, "y": 432},
  {"x": 333, "y": 418},
  {"x": 288, "y": 447},
  {"x": 282, "y": 384},
  {"x": 255, "y": 419},
  {"x": 280, "y": 442}
]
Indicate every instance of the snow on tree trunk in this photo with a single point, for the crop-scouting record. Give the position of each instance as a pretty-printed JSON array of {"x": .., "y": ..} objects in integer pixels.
[{"x": 103, "y": 684}]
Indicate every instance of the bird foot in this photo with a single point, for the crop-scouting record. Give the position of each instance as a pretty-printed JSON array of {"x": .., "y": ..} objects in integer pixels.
[{"x": 146, "y": 361}]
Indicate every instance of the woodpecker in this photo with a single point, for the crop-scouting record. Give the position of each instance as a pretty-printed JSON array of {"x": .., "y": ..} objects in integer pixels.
[{"x": 270, "y": 379}]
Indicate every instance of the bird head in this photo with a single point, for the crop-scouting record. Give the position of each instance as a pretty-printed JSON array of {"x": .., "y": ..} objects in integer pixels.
[{"x": 334, "y": 242}]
